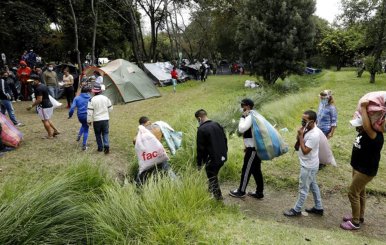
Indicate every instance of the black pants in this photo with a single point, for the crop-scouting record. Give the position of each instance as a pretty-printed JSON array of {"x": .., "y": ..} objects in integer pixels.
[
  {"x": 15, "y": 94},
  {"x": 69, "y": 92},
  {"x": 212, "y": 172},
  {"x": 252, "y": 165}
]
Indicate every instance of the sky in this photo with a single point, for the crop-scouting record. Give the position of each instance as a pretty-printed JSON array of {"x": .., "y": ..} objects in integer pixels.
[{"x": 327, "y": 9}]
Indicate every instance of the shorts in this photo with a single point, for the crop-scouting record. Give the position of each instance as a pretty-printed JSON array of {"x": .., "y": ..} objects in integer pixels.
[{"x": 45, "y": 113}]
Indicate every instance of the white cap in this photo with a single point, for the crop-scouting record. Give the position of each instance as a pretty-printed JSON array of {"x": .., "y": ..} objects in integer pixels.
[{"x": 357, "y": 122}]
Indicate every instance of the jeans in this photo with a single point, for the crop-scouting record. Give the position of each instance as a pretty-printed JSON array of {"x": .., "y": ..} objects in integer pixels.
[
  {"x": 101, "y": 130},
  {"x": 357, "y": 195},
  {"x": 6, "y": 105},
  {"x": 164, "y": 166},
  {"x": 53, "y": 91},
  {"x": 307, "y": 181},
  {"x": 83, "y": 129}
]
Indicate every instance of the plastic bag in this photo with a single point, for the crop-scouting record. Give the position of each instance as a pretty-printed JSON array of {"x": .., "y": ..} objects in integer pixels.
[
  {"x": 149, "y": 150},
  {"x": 10, "y": 135},
  {"x": 54, "y": 102}
]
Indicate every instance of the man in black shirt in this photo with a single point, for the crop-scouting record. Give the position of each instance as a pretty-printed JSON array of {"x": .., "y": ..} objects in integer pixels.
[
  {"x": 212, "y": 150},
  {"x": 44, "y": 106},
  {"x": 365, "y": 157}
]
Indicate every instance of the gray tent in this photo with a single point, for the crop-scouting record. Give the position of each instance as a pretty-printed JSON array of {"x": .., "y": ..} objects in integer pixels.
[
  {"x": 160, "y": 72},
  {"x": 125, "y": 82}
]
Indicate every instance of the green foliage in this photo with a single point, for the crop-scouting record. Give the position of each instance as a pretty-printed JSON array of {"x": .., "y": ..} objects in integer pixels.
[
  {"x": 51, "y": 211},
  {"x": 275, "y": 35},
  {"x": 162, "y": 212}
]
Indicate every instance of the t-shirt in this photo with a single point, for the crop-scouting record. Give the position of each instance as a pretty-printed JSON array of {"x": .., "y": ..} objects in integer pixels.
[
  {"x": 366, "y": 153},
  {"x": 42, "y": 90},
  {"x": 311, "y": 140},
  {"x": 68, "y": 80}
]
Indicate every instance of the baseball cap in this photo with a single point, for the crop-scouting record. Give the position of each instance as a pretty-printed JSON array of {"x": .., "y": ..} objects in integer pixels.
[
  {"x": 356, "y": 122},
  {"x": 97, "y": 88}
]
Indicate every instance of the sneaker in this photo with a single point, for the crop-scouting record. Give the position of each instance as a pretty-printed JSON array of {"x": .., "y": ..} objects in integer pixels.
[
  {"x": 348, "y": 225},
  {"x": 13, "y": 101},
  {"x": 19, "y": 124},
  {"x": 321, "y": 166},
  {"x": 348, "y": 217},
  {"x": 78, "y": 138},
  {"x": 237, "y": 193},
  {"x": 292, "y": 213},
  {"x": 84, "y": 148},
  {"x": 315, "y": 211},
  {"x": 100, "y": 149},
  {"x": 18, "y": 100},
  {"x": 257, "y": 195}
]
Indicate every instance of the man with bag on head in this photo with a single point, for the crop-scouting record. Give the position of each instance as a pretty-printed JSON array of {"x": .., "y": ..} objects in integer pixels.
[
  {"x": 252, "y": 162},
  {"x": 212, "y": 149},
  {"x": 44, "y": 106},
  {"x": 160, "y": 164},
  {"x": 365, "y": 157},
  {"x": 98, "y": 110}
]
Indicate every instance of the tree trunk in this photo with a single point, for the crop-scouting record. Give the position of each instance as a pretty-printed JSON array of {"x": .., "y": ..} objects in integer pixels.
[
  {"x": 94, "y": 9},
  {"x": 372, "y": 77},
  {"x": 76, "y": 37}
]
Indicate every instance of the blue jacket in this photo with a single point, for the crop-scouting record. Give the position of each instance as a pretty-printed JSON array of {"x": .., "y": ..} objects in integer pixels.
[{"x": 80, "y": 102}]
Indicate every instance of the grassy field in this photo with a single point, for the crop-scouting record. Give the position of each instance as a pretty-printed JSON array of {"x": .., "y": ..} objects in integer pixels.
[{"x": 78, "y": 196}]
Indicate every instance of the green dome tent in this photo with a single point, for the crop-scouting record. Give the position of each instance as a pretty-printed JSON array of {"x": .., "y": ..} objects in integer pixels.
[{"x": 125, "y": 82}]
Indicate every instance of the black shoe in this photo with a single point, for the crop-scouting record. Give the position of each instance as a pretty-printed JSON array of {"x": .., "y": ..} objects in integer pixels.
[
  {"x": 315, "y": 211},
  {"x": 321, "y": 166},
  {"x": 107, "y": 150},
  {"x": 237, "y": 193},
  {"x": 100, "y": 149},
  {"x": 257, "y": 195},
  {"x": 292, "y": 213}
]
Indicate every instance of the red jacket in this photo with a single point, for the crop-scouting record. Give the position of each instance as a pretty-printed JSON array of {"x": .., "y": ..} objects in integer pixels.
[
  {"x": 23, "y": 73},
  {"x": 174, "y": 74}
]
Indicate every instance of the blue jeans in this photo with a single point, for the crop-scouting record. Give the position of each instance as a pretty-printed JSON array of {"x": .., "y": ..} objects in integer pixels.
[
  {"x": 84, "y": 128},
  {"x": 307, "y": 181},
  {"x": 53, "y": 91},
  {"x": 101, "y": 130},
  {"x": 6, "y": 105}
]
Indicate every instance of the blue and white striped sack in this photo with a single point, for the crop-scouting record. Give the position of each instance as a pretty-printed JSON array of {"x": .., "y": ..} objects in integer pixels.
[{"x": 268, "y": 142}]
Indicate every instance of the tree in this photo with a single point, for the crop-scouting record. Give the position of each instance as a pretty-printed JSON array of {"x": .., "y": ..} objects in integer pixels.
[
  {"x": 341, "y": 46},
  {"x": 275, "y": 35}
]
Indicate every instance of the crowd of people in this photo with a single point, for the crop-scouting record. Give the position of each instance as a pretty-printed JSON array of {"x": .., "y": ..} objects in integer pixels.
[{"x": 212, "y": 147}]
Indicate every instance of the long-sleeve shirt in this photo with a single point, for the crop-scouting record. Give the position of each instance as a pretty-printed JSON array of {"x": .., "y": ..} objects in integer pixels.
[
  {"x": 98, "y": 108},
  {"x": 327, "y": 117},
  {"x": 5, "y": 91},
  {"x": 245, "y": 125},
  {"x": 81, "y": 103},
  {"x": 212, "y": 146}
]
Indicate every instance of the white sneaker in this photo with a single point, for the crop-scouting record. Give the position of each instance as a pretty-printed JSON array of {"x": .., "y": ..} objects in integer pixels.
[
  {"x": 13, "y": 101},
  {"x": 19, "y": 124}
]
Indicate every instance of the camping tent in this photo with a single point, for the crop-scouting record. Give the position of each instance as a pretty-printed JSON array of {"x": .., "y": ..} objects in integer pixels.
[
  {"x": 160, "y": 72},
  {"x": 125, "y": 82}
]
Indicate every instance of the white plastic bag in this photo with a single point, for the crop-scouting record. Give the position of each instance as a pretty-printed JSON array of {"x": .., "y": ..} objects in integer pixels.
[
  {"x": 54, "y": 102},
  {"x": 149, "y": 150}
]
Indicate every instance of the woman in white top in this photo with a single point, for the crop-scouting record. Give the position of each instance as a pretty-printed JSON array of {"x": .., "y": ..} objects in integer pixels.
[{"x": 68, "y": 81}]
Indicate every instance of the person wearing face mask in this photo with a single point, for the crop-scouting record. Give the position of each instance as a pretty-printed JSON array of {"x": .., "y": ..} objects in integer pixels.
[
  {"x": 327, "y": 115},
  {"x": 5, "y": 99},
  {"x": 212, "y": 150},
  {"x": 365, "y": 157},
  {"x": 308, "y": 142},
  {"x": 23, "y": 73},
  {"x": 44, "y": 106},
  {"x": 51, "y": 79},
  {"x": 252, "y": 162}
]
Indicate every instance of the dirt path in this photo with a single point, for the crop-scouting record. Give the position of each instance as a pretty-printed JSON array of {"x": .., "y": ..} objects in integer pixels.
[{"x": 335, "y": 205}]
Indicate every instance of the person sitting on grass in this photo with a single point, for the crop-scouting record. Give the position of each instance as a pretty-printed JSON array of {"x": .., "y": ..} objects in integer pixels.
[{"x": 366, "y": 153}]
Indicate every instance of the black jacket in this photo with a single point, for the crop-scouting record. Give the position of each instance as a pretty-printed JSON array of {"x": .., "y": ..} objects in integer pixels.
[
  {"x": 212, "y": 145},
  {"x": 5, "y": 90}
]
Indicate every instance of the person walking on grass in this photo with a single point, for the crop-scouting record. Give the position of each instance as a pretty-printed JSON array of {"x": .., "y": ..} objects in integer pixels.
[
  {"x": 308, "y": 151},
  {"x": 98, "y": 110},
  {"x": 5, "y": 99},
  {"x": 44, "y": 106},
  {"x": 366, "y": 153},
  {"x": 252, "y": 163},
  {"x": 81, "y": 103},
  {"x": 212, "y": 150}
]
